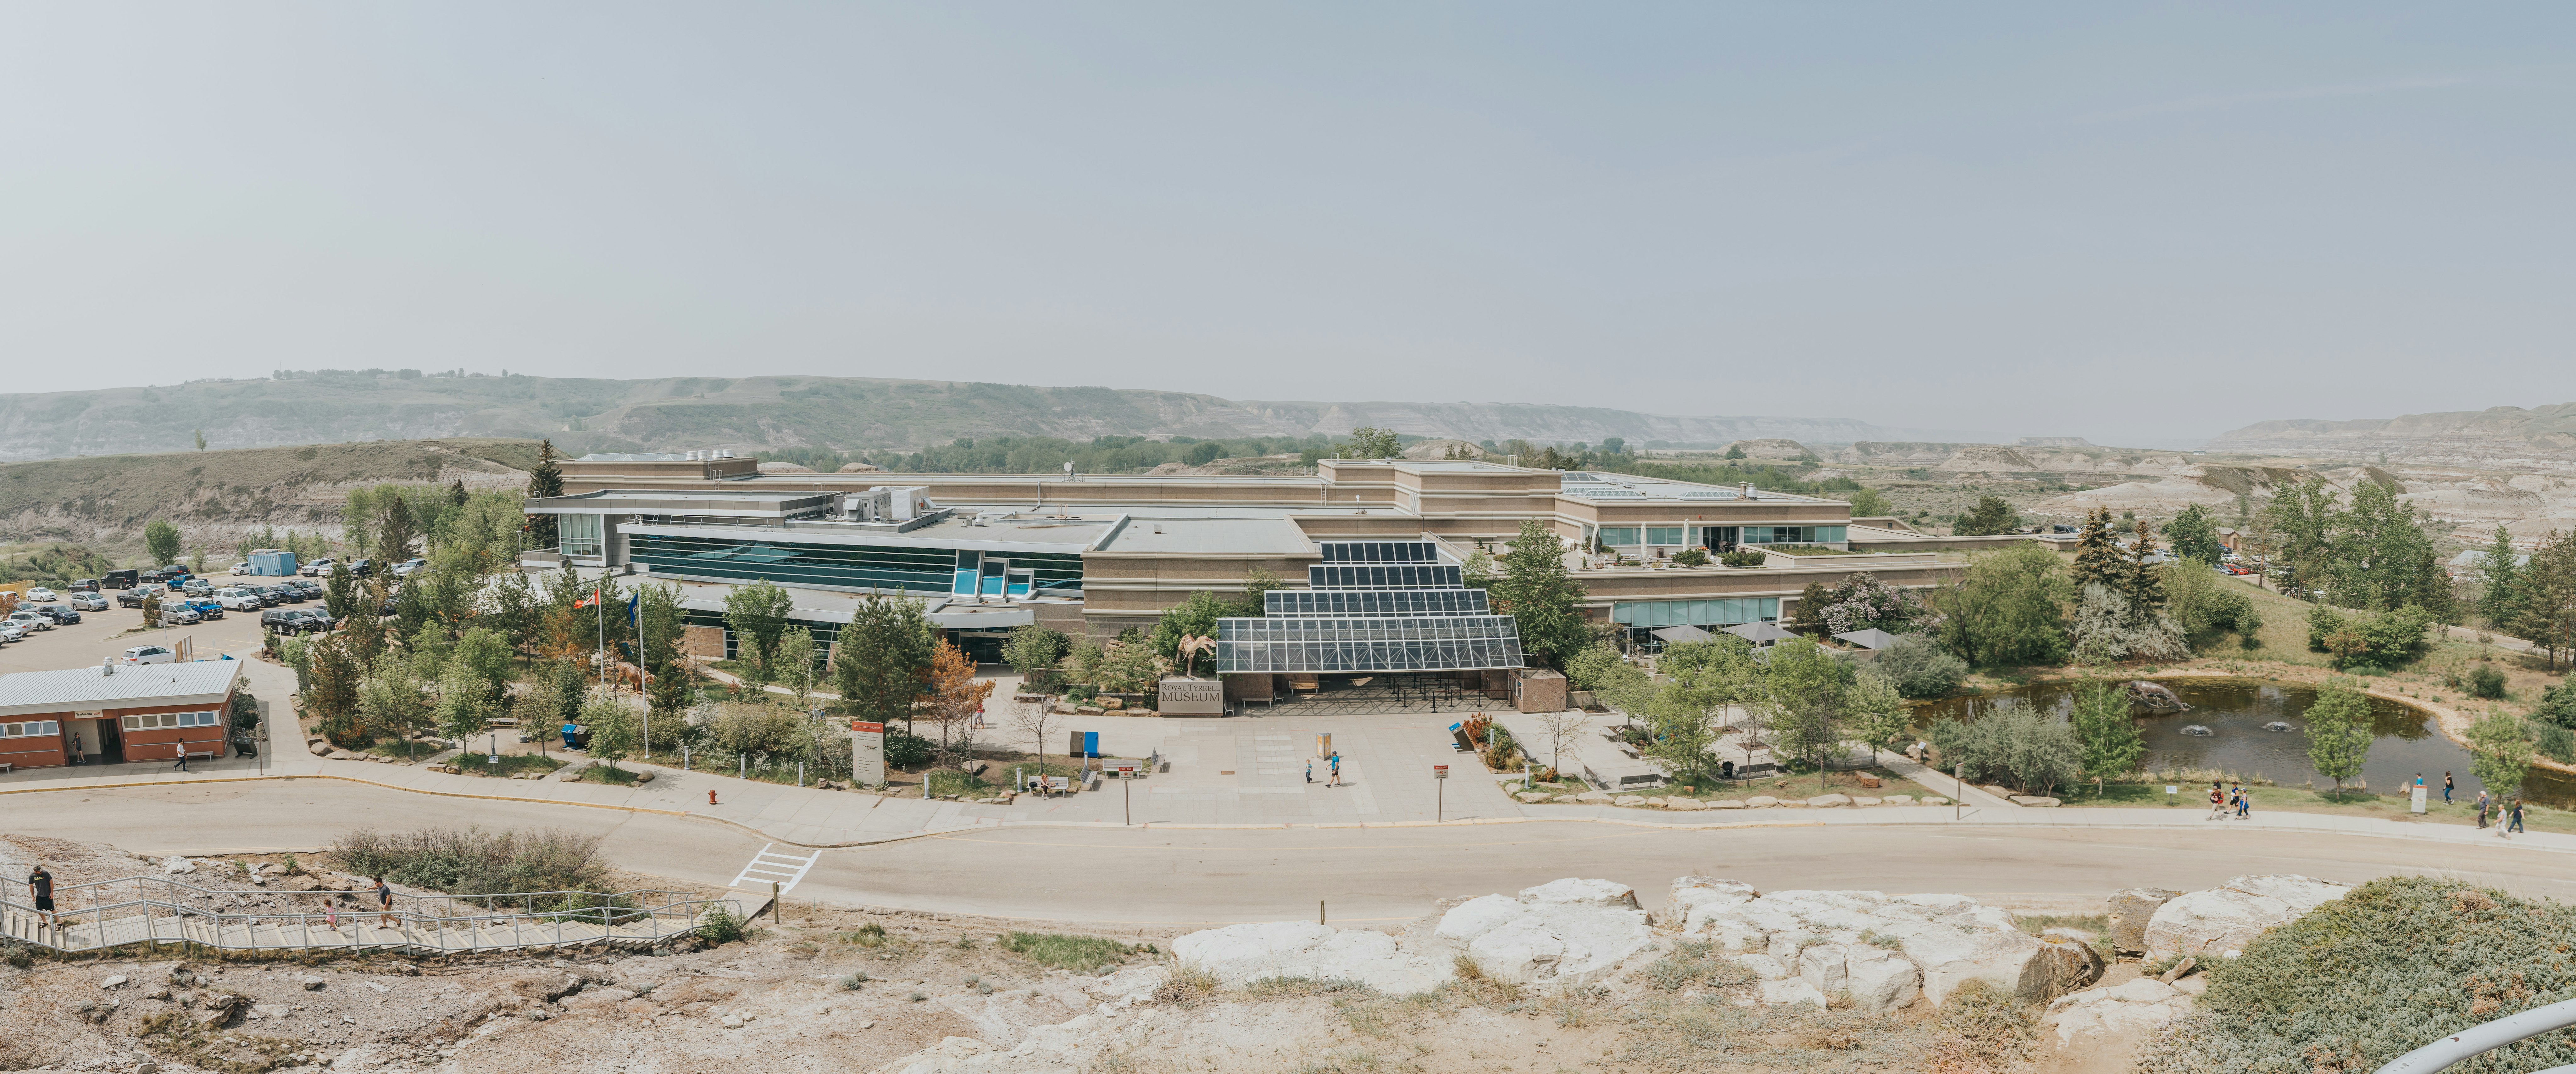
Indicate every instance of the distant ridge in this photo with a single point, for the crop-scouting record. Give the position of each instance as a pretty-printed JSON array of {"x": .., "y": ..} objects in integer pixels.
[
  {"x": 836, "y": 413},
  {"x": 2497, "y": 438}
]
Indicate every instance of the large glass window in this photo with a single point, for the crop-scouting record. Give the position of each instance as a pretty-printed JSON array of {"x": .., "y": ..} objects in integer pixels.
[
  {"x": 907, "y": 569},
  {"x": 1616, "y": 536},
  {"x": 581, "y": 535},
  {"x": 1796, "y": 534},
  {"x": 1665, "y": 534},
  {"x": 1699, "y": 613}
]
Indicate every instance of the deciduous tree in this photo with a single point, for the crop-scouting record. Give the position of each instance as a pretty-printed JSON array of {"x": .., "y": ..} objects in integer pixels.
[
  {"x": 1545, "y": 601},
  {"x": 2112, "y": 746},
  {"x": 758, "y": 615},
  {"x": 2339, "y": 732},
  {"x": 2194, "y": 535},
  {"x": 884, "y": 654},
  {"x": 2007, "y": 608},
  {"x": 161, "y": 538}
]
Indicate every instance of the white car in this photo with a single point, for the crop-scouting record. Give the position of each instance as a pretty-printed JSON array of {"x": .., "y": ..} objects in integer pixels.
[
  {"x": 405, "y": 568},
  {"x": 180, "y": 615},
  {"x": 11, "y": 631},
  {"x": 31, "y": 621},
  {"x": 320, "y": 568},
  {"x": 150, "y": 654},
  {"x": 238, "y": 600},
  {"x": 41, "y": 595}
]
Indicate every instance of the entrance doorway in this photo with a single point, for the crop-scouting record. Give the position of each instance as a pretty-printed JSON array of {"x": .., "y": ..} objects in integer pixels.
[{"x": 1720, "y": 538}]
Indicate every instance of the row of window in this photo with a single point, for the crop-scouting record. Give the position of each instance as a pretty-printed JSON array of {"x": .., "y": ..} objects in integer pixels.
[
  {"x": 1628, "y": 536},
  {"x": 1699, "y": 613},
  {"x": 1379, "y": 551},
  {"x": 29, "y": 729},
  {"x": 1386, "y": 576},
  {"x": 916, "y": 570},
  {"x": 581, "y": 535},
  {"x": 150, "y": 720}
]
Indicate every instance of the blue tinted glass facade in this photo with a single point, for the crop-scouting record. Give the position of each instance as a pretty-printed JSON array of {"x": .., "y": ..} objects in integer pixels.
[
  {"x": 1698, "y": 613},
  {"x": 919, "y": 570}
]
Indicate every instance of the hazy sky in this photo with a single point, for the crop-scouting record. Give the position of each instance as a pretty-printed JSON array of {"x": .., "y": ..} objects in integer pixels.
[{"x": 2057, "y": 219}]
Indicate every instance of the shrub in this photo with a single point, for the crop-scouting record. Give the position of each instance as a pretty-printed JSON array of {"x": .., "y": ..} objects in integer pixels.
[
  {"x": 1750, "y": 557},
  {"x": 2395, "y": 964},
  {"x": 1920, "y": 667},
  {"x": 720, "y": 926},
  {"x": 1691, "y": 557},
  {"x": 854, "y": 982},
  {"x": 477, "y": 862},
  {"x": 1186, "y": 985},
  {"x": 2558, "y": 703},
  {"x": 2554, "y": 742},
  {"x": 2011, "y": 743},
  {"x": 2486, "y": 682},
  {"x": 1059, "y": 951},
  {"x": 2387, "y": 640},
  {"x": 904, "y": 750},
  {"x": 867, "y": 935}
]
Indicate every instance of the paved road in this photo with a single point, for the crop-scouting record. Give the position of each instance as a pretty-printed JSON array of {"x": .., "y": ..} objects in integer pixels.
[{"x": 1166, "y": 878}]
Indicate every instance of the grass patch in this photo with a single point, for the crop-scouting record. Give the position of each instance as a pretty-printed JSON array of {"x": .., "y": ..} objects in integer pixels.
[
  {"x": 473, "y": 764},
  {"x": 955, "y": 781},
  {"x": 1186, "y": 986},
  {"x": 1059, "y": 951},
  {"x": 867, "y": 935},
  {"x": 477, "y": 862},
  {"x": 175, "y": 1035},
  {"x": 720, "y": 926},
  {"x": 601, "y": 773},
  {"x": 1695, "y": 962},
  {"x": 1302, "y": 987}
]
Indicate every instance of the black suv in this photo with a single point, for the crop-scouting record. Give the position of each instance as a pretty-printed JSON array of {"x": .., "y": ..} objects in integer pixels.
[
  {"x": 290, "y": 621},
  {"x": 120, "y": 579},
  {"x": 362, "y": 568},
  {"x": 59, "y": 613},
  {"x": 134, "y": 598},
  {"x": 84, "y": 585}
]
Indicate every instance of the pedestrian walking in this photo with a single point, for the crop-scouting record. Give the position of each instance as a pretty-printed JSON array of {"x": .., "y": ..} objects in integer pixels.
[
  {"x": 1337, "y": 770},
  {"x": 384, "y": 903},
  {"x": 80, "y": 749},
  {"x": 1310, "y": 770},
  {"x": 2482, "y": 807},
  {"x": 2517, "y": 817},
  {"x": 2217, "y": 801},
  {"x": 2447, "y": 784},
  {"x": 2244, "y": 804},
  {"x": 40, "y": 884},
  {"x": 183, "y": 758}
]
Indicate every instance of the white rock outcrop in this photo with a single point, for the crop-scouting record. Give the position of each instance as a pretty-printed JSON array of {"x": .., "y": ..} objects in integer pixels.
[
  {"x": 2124, "y": 1009},
  {"x": 1562, "y": 934},
  {"x": 1881, "y": 950},
  {"x": 1241, "y": 954},
  {"x": 2225, "y": 918}
]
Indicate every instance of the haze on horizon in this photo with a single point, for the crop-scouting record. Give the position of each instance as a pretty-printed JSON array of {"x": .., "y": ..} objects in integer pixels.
[{"x": 2144, "y": 227}]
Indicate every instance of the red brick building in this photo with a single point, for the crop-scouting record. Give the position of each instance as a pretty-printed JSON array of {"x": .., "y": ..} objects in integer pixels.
[{"x": 119, "y": 713}]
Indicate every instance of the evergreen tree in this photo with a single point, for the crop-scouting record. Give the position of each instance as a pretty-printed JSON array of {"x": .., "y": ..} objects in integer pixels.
[
  {"x": 2500, "y": 585},
  {"x": 1546, "y": 601},
  {"x": 2194, "y": 535},
  {"x": 2098, "y": 560},
  {"x": 2145, "y": 589},
  {"x": 1991, "y": 516},
  {"x": 456, "y": 493},
  {"x": 2112, "y": 746},
  {"x": 884, "y": 655},
  {"x": 1809, "y": 616},
  {"x": 395, "y": 545},
  {"x": 543, "y": 482}
]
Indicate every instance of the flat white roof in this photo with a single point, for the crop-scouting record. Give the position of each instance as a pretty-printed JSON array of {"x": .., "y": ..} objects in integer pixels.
[{"x": 29, "y": 693}]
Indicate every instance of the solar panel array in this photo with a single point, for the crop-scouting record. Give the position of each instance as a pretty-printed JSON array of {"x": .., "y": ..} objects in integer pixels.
[
  {"x": 1368, "y": 644},
  {"x": 1348, "y": 602},
  {"x": 1385, "y": 576},
  {"x": 1380, "y": 551}
]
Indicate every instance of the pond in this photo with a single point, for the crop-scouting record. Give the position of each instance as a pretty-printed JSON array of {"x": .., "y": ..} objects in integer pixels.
[{"x": 2235, "y": 711}]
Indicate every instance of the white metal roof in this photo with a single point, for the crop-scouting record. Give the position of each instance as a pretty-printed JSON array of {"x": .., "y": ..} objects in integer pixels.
[{"x": 29, "y": 693}]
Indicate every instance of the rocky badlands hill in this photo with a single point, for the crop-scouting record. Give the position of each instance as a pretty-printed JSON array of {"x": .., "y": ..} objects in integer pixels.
[{"x": 2508, "y": 438}]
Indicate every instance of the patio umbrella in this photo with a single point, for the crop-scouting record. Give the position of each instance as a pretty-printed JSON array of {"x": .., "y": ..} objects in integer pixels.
[
  {"x": 1760, "y": 633},
  {"x": 1675, "y": 635},
  {"x": 1872, "y": 638}
]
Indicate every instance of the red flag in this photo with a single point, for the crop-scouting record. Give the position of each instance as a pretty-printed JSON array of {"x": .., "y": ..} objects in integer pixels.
[{"x": 590, "y": 601}]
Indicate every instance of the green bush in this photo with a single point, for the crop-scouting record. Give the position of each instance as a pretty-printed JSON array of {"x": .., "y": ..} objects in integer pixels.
[
  {"x": 2486, "y": 682},
  {"x": 907, "y": 750},
  {"x": 2368, "y": 643},
  {"x": 2554, "y": 742},
  {"x": 1921, "y": 668},
  {"x": 720, "y": 926},
  {"x": 1691, "y": 557},
  {"x": 2014, "y": 744},
  {"x": 1749, "y": 557},
  {"x": 2558, "y": 703},
  {"x": 477, "y": 862},
  {"x": 2396, "y": 964}
]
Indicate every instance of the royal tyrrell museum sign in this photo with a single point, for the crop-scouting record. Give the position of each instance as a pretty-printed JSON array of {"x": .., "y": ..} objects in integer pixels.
[{"x": 1192, "y": 697}]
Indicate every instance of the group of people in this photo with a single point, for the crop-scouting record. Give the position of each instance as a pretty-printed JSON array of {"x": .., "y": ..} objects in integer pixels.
[
  {"x": 40, "y": 887},
  {"x": 1333, "y": 773},
  {"x": 2229, "y": 802}
]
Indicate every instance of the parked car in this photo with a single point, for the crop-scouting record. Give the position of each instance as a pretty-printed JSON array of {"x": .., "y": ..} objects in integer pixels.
[
  {"x": 40, "y": 594},
  {"x": 321, "y": 620},
  {"x": 362, "y": 568},
  {"x": 294, "y": 593},
  {"x": 207, "y": 607},
  {"x": 319, "y": 568},
  {"x": 179, "y": 615},
  {"x": 287, "y": 620},
  {"x": 84, "y": 585},
  {"x": 10, "y": 632},
  {"x": 239, "y": 599},
  {"x": 133, "y": 598},
  {"x": 118, "y": 580},
  {"x": 31, "y": 620},
  {"x": 198, "y": 587},
  {"x": 150, "y": 654},
  {"x": 60, "y": 613},
  {"x": 89, "y": 602},
  {"x": 405, "y": 568}
]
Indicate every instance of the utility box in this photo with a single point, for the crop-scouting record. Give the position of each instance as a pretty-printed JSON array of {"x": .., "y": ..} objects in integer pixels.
[
  {"x": 271, "y": 563},
  {"x": 1539, "y": 691}
]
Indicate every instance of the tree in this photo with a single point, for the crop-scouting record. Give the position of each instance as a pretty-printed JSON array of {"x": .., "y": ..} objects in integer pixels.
[
  {"x": 162, "y": 540},
  {"x": 2547, "y": 615},
  {"x": 2500, "y": 753},
  {"x": 2006, "y": 608},
  {"x": 796, "y": 662},
  {"x": 955, "y": 694},
  {"x": 1371, "y": 442},
  {"x": 612, "y": 728},
  {"x": 331, "y": 692},
  {"x": 1194, "y": 617},
  {"x": 1808, "y": 615},
  {"x": 1802, "y": 691},
  {"x": 2382, "y": 555},
  {"x": 1870, "y": 503},
  {"x": 668, "y": 697},
  {"x": 1545, "y": 601},
  {"x": 395, "y": 542},
  {"x": 1862, "y": 602},
  {"x": 2109, "y": 736},
  {"x": 2013, "y": 744},
  {"x": 1478, "y": 570},
  {"x": 757, "y": 613},
  {"x": 2194, "y": 535},
  {"x": 544, "y": 481},
  {"x": 201, "y": 440},
  {"x": 2339, "y": 731},
  {"x": 2500, "y": 584},
  {"x": 1033, "y": 719},
  {"x": 2557, "y": 704},
  {"x": 1256, "y": 584},
  {"x": 340, "y": 591},
  {"x": 390, "y": 700},
  {"x": 2145, "y": 590},
  {"x": 2208, "y": 608},
  {"x": 1587, "y": 669},
  {"x": 1878, "y": 713},
  {"x": 464, "y": 705},
  {"x": 1559, "y": 728},
  {"x": 884, "y": 654},
  {"x": 2108, "y": 629},
  {"x": 456, "y": 493},
  {"x": 1920, "y": 668},
  {"x": 1991, "y": 516},
  {"x": 1034, "y": 647},
  {"x": 487, "y": 655}
]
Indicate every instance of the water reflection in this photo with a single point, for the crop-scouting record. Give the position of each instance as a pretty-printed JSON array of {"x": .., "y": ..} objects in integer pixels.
[{"x": 2236, "y": 712}]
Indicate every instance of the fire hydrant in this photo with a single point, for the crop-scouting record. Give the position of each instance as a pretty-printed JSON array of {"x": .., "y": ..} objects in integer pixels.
[{"x": 711, "y": 796}]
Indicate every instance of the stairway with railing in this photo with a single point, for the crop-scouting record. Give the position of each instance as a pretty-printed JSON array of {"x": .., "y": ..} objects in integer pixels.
[{"x": 152, "y": 910}]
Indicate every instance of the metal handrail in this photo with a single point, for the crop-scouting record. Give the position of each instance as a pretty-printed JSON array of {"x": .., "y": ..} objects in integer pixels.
[
  {"x": 63, "y": 932},
  {"x": 2480, "y": 1039}
]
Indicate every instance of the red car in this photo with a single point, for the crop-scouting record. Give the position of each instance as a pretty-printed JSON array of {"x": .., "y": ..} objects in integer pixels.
[{"x": 2239, "y": 568}]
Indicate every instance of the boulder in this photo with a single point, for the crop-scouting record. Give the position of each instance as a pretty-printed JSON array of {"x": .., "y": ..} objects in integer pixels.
[
  {"x": 1830, "y": 801},
  {"x": 175, "y": 865},
  {"x": 644, "y": 776},
  {"x": 2034, "y": 801},
  {"x": 1240, "y": 954},
  {"x": 1947, "y": 939},
  {"x": 2073, "y": 964},
  {"x": 117, "y": 981},
  {"x": 2226, "y": 918},
  {"x": 1596, "y": 797},
  {"x": 1934, "y": 799},
  {"x": 1898, "y": 799},
  {"x": 1533, "y": 797},
  {"x": 1875, "y": 979},
  {"x": 2130, "y": 908},
  {"x": 1686, "y": 805},
  {"x": 1628, "y": 800},
  {"x": 1702, "y": 896},
  {"x": 2128, "y": 1009},
  {"x": 1760, "y": 801},
  {"x": 1793, "y": 803},
  {"x": 1566, "y": 798},
  {"x": 1790, "y": 990},
  {"x": 1729, "y": 803},
  {"x": 1564, "y": 934},
  {"x": 319, "y": 748},
  {"x": 1862, "y": 800}
]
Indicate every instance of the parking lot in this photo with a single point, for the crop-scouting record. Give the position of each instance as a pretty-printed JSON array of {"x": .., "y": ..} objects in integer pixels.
[{"x": 105, "y": 634}]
